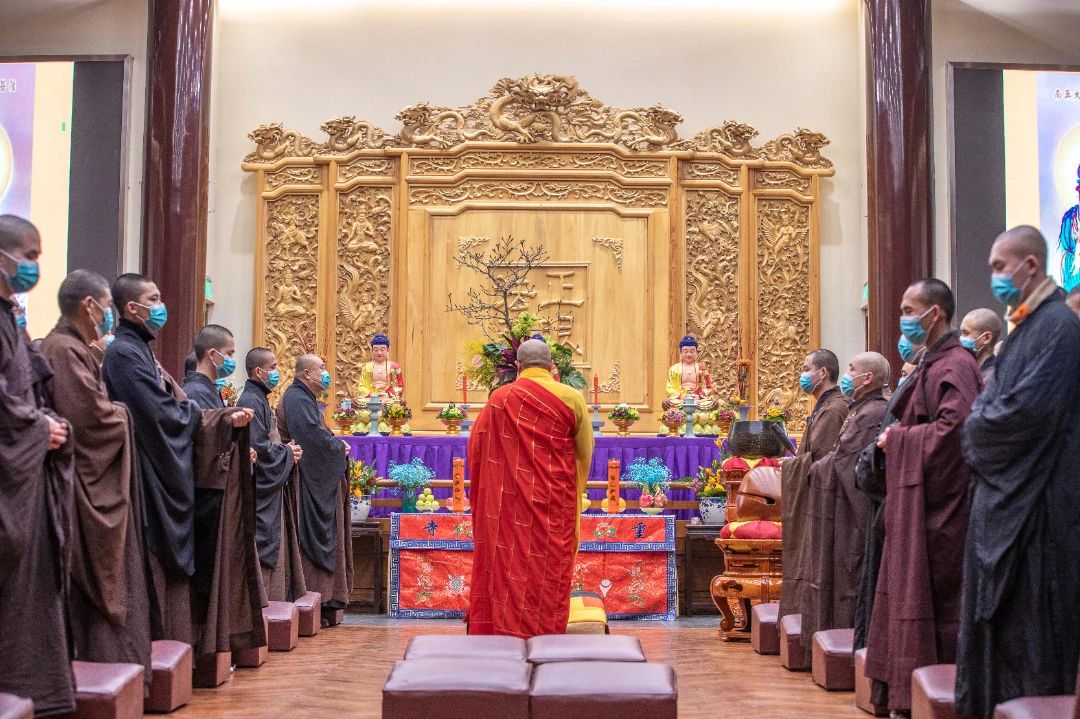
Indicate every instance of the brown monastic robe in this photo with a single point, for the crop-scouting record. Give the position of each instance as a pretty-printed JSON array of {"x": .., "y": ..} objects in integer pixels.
[
  {"x": 838, "y": 525},
  {"x": 35, "y": 504},
  {"x": 334, "y": 586},
  {"x": 229, "y": 617},
  {"x": 915, "y": 618},
  {"x": 819, "y": 438},
  {"x": 108, "y": 609}
]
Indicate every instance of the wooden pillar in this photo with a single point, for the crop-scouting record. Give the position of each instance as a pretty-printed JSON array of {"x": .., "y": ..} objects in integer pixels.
[
  {"x": 177, "y": 172},
  {"x": 898, "y": 161}
]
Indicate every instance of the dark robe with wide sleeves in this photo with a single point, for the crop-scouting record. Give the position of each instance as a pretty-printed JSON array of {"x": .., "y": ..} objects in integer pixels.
[
  {"x": 917, "y": 603},
  {"x": 1020, "y": 628},
  {"x": 165, "y": 425},
  {"x": 35, "y": 506},
  {"x": 108, "y": 608},
  {"x": 838, "y": 525},
  {"x": 819, "y": 438},
  {"x": 275, "y": 499},
  {"x": 324, "y": 517}
]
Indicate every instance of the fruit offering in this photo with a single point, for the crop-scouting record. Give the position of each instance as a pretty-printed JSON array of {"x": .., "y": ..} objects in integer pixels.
[{"x": 426, "y": 501}]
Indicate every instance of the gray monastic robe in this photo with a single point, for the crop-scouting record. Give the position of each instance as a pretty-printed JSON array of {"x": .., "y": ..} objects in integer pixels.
[{"x": 822, "y": 431}]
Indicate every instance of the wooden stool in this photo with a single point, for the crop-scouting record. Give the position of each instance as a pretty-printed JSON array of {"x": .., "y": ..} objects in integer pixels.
[
  {"x": 256, "y": 656},
  {"x": 212, "y": 670},
  {"x": 933, "y": 692},
  {"x": 863, "y": 686},
  {"x": 282, "y": 626},
  {"x": 832, "y": 665},
  {"x": 583, "y": 648},
  {"x": 170, "y": 682},
  {"x": 458, "y": 689},
  {"x": 604, "y": 690},
  {"x": 792, "y": 654},
  {"x": 310, "y": 606},
  {"x": 13, "y": 707},
  {"x": 1052, "y": 707},
  {"x": 764, "y": 635},
  {"x": 108, "y": 691}
]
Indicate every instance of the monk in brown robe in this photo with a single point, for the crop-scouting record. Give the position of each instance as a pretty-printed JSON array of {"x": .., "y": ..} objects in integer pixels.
[
  {"x": 325, "y": 519},
  {"x": 167, "y": 427},
  {"x": 35, "y": 498},
  {"x": 820, "y": 372},
  {"x": 839, "y": 511},
  {"x": 108, "y": 609},
  {"x": 276, "y": 483},
  {"x": 916, "y": 609}
]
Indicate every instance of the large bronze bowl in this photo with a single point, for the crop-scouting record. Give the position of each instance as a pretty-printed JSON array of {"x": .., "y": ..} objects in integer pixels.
[{"x": 755, "y": 438}]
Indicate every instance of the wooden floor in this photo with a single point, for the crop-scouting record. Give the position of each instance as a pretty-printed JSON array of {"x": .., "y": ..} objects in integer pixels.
[{"x": 339, "y": 674}]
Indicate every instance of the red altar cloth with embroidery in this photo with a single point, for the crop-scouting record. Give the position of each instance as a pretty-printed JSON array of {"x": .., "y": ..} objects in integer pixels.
[{"x": 627, "y": 558}]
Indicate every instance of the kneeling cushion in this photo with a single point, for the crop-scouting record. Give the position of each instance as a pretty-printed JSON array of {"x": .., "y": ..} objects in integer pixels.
[
  {"x": 460, "y": 689},
  {"x": 754, "y": 529},
  {"x": 764, "y": 634},
  {"x": 433, "y": 646},
  {"x": 108, "y": 691},
  {"x": 591, "y": 690},
  {"x": 933, "y": 692},
  {"x": 587, "y": 614},
  {"x": 13, "y": 707},
  {"x": 583, "y": 648},
  {"x": 1055, "y": 707}
]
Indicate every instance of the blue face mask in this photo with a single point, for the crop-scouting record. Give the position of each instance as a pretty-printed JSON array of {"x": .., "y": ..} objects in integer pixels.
[
  {"x": 968, "y": 343},
  {"x": 25, "y": 276},
  {"x": 847, "y": 384},
  {"x": 806, "y": 382},
  {"x": 911, "y": 327},
  {"x": 220, "y": 383},
  {"x": 907, "y": 351},
  {"x": 324, "y": 379},
  {"x": 159, "y": 315},
  {"x": 20, "y": 321},
  {"x": 1004, "y": 289},
  {"x": 272, "y": 378},
  {"x": 106, "y": 324},
  {"x": 900, "y": 381},
  {"x": 227, "y": 366},
  {"x": 109, "y": 339}
]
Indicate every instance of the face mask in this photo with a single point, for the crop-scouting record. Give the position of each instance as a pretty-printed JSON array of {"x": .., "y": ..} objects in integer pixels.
[
  {"x": 912, "y": 328},
  {"x": 847, "y": 384},
  {"x": 1004, "y": 289},
  {"x": 906, "y": 350},
  {"x": 106, "y": 324},
  {"x": 227, "y": 366},
  {"x": 968, "y": 343},
  {"x": 900, "y": 381},
  {"x": 25, "y": 276},
  {"x": 272, "y": 378},
  {"x": 806, "y": 382},
  {"x": 159, "y": 315},
  {"x": 220, "y": 383},
  {"x": 20, "y": 321},
  {"x": 324, "y": 379},
  {"x": 109, "y": 339}
]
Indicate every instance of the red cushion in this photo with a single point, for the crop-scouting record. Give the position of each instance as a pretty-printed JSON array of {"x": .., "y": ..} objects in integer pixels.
[
  {"x": 756, "y": 529},
  {"x": 768, "y": 462},
  {"x": 735, "y": 463}
]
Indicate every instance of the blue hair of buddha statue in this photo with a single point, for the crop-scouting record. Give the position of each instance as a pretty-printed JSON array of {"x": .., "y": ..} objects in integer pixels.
[
  {"x": 380, "y": 339},
  {"x": 688, "y": 341}
]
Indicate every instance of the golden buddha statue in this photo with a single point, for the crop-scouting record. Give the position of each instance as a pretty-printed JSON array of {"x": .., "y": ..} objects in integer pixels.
[{"x": 383, "y": 377}]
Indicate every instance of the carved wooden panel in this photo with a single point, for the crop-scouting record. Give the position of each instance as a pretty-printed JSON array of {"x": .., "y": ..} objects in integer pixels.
[{"x": 659, "y": 235}]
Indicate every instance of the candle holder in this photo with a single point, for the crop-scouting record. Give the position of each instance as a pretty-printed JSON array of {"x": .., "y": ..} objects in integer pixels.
[
  {"x": 375, "y": 407},
  {"x": 597, "y": 423},
  {"x": 689, "y": 409}
]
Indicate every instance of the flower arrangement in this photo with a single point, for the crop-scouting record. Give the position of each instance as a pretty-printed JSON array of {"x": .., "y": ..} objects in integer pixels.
[
  {"x": 726, "y": 415},
  {"x": 737, "y": 400},
  {"x": 451, "y": 412},
  {"x": 344, "y": 412},
  {"x": 674, "y": 417},
  {"x": 229, "y": 393},
  {"x": 709, "y": 481},
  {"x": 776, "y": 413},
  {"x": 412, "y": 476},
  {"x": 654, "y": 478},
  {"x": 623, "y": 412},
  {"x": 493, "y": 363},
  {"x": 398, "y": 410},
  {"x": 362, "y": 478}
]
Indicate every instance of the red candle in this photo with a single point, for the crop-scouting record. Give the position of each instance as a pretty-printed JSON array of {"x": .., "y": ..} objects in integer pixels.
[
  {"x": 464, "y": 389},
  {"x": 595, "y": 389}
]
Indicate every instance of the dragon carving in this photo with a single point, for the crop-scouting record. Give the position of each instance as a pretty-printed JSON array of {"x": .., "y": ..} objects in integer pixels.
[
  {"x": 803, "y": 146},
  {"x": 439, "y": 127},
  {"x": 732, "y": 138},
  {"x": 272, "y": 141},
  {"x": 347, "y": 133}
]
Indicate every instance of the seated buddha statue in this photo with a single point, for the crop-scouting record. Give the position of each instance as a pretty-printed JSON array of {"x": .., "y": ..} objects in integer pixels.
[
  {"x": 688, "y": 377},
  {"x": 383, "y": 377}
]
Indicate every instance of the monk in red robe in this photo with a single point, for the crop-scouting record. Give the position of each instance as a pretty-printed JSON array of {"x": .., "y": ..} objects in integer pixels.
[
  {"x": 915, "y": 617},
  {"x": 528, "y": 460}
]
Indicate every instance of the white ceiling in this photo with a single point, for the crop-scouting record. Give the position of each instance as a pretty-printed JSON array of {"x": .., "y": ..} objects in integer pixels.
[
  {"x": 11, "y": 10},
  {"x": 1055, "y": 23}
]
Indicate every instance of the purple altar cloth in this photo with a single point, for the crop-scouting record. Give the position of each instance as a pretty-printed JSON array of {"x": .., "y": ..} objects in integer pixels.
[{"x": 684, "y": 456}]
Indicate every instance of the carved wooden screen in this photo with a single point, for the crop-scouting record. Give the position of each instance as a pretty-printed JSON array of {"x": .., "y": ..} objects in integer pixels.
[{"x": 650, "y": 237}]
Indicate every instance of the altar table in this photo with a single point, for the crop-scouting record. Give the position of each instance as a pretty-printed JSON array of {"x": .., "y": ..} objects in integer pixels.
[
  {"x": 627, "y": 558},
  {"x": 683, "y": 455}
]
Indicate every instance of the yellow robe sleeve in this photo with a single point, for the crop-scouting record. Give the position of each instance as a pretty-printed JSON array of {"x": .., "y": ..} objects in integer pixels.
[
  {"x": 366, "y": 386},
  {"x": 674, "y": 382}
]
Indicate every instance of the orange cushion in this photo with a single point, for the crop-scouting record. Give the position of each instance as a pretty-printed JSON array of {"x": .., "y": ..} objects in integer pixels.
[{"x": 755, "y": 529}]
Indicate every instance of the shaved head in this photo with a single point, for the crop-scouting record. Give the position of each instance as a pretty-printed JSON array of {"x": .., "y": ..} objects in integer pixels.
[
  {"x": 306, "y": 362},
  {"x": 534, "y": 353},
  {"x": 17, "y": 234},
  {"x": 874, "y": 363},
  {"x": 79, "y": 285},
  {"x": 981, "y": 321},
  {"x": 932, "y": 291},
  {"x": 1021, "y": 242},
  {"x": 211, "y": 337},
  {"x": 257, "y": 357}
]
